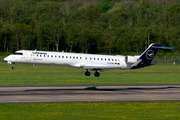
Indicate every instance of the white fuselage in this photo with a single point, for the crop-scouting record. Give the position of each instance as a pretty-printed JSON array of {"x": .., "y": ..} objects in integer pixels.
[
  {"x": 62, "y": 58},
  {"x": 87, "y": 61}
]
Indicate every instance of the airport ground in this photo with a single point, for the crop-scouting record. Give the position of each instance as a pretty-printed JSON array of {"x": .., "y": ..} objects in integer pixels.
[
  {"x": 92, "y": 111},
  {"x": 89, "y": 93},
  {"x": 27, "y": 75},
  {"x": 63, "y": 75}
]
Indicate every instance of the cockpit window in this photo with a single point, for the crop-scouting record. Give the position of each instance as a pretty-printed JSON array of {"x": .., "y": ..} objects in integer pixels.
[{"x": 16, "y": 53}]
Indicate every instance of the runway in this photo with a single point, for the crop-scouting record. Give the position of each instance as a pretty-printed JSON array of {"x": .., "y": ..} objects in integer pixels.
[{"x": 89, "y": 93}]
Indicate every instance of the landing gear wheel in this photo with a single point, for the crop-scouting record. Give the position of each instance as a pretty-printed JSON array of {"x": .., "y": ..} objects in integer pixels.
[
  {"x": 96, "y": 74},
  {"x": 87, "y": 73},
  {"x": 13, "y": 67}
]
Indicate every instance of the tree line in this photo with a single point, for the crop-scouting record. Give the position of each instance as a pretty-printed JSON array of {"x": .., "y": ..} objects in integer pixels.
[{"x": 94, "y": 26}]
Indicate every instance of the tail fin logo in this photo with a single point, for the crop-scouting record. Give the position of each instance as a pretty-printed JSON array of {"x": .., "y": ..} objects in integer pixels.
[{"x": 149, "y": 54}]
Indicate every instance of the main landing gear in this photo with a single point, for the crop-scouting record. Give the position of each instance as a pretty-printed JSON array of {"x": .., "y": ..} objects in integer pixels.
[
  {"x": 96, "y": 74},
  {"x": 13, "y": 67},
  {"x": 87, "y": 73}
]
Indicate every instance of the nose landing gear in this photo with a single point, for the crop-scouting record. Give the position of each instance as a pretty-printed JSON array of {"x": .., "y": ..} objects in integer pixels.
[{"x": 13, "y": 67}]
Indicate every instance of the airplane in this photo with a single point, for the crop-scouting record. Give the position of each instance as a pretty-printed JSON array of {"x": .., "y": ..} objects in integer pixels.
[{"x": 94, "y": 62}]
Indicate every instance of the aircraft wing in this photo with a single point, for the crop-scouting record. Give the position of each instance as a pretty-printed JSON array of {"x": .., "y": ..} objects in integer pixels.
[{"x": 104, "y": 67}]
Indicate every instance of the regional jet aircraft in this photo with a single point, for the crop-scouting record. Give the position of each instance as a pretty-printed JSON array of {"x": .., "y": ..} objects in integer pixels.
[{"x": 93, "y": 62}]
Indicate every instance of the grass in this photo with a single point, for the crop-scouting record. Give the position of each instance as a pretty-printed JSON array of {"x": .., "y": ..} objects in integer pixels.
[
  {"x": 95, "y": 110},
  {"x": 63, "y": 75}
]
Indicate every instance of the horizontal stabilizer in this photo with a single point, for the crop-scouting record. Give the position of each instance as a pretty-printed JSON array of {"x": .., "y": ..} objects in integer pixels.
[{"x": 163, "y": 47}]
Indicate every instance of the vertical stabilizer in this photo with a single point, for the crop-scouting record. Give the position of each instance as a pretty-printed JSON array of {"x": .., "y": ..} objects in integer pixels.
[{"x": 148, "y": 55}]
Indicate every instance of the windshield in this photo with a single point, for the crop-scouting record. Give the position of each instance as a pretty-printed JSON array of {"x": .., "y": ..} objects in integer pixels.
[{"x": 16, "y": 53}]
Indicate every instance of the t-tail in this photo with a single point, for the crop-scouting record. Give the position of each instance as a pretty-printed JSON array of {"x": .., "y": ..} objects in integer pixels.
[{"x": 147, "y": 56}]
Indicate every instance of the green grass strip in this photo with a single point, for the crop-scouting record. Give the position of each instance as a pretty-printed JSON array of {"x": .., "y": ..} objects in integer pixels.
[
  {"x": 92, "y": 111},
  {"x": 63, "y": 75}
]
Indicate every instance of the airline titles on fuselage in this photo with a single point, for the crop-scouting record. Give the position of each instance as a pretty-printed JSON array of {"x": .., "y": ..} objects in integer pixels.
[{"x": 39, "y": 53}]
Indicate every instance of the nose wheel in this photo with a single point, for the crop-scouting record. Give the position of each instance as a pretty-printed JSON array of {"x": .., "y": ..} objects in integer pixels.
[{"x": 13, "y": 67}]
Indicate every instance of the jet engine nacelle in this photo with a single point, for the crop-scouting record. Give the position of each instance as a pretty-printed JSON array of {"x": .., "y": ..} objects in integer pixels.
[{"x": 131, "y": 59}]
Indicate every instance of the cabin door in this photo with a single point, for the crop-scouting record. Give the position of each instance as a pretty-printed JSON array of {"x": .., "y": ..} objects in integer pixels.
[{"x": 28, "y": 56}]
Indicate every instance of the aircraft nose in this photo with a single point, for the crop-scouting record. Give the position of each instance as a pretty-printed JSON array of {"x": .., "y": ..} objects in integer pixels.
[{"x": 6, "y": 58}]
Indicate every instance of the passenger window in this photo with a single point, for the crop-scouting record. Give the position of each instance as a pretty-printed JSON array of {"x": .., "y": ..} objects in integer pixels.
[
  {"x": 112, "y": 59},
  {"x": 47, "y": 55},
  {"x": 62, "y": 56},
  {"x": 94, "y": 58},
  {"x": 101, "y": 58},
  {"x": 55, "y": 56},
  {"x": 76, "y": 57},
  {"x": 73, "y": 57},
  {"x": 108, "y": 59},
  {"x": 37, "y": 55},
  {"x": 44, "y": 55},
  {"x": 59, "y": 56},
  {"x": 97, "y": 58},
  {"x": 86, "y": 58},
  {"x": 115, "y": 59},
  {"x": 40, "y": 55},
  {"x": 51, "y": 55},
  {"x": 90, "y": 58},
  {"x": 105, "y": 59},
  {"x": 66, "y": 56},
  {"x": 80, "y": 57},
  {"x": 70, "y": 57}
]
